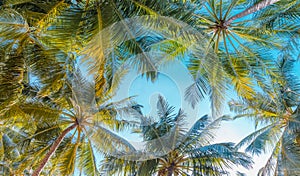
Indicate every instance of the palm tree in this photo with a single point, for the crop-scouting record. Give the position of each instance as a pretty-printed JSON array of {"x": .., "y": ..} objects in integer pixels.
[
  {"x": 66, "y": 27},
  {"x": 74, "y": 125},
  {"x": 278, "y": 114},
  {"x": 234, "y": 43},
  {"x": 42, "y": 37},
  {"x": 39, "y": 43},
  {"x": 173, "y": 150},
  {"x": 42, "y": 40},
  {"x": 50, "y": 35},
  {"x": 84, "y": 124},
  {"x": 242, "y": 44}
]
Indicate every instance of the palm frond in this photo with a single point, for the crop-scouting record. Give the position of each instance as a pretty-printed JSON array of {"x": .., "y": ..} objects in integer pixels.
[
  {"x": 11, "y": 19},
  {"x": 87, "y": 158},
  {"x": 15, "y": 2},
  {"x": 83, "y": 91},
  {"x": 110, "y": 119},
  {"x": 286, "y": 13},
  {"x": 49, "y": 66},
  {"x": 41, "y": 113},
  {"x": 58, "y": 28},
  {"x": 290, "y": 151},
  {"x": 11, "y": 78},
  {"x": 268, "y": 137},
  {"x": 107, "y": 141},
  {"x": 54, "y": 10},
  {"x": 114, "y": 165},
  {"x": 148, "y": 167},
  {"x": 250, "y": 138},
  {"x": 115, "y": 74},
  {"x": 66, "y": 165},
  {"x": 197, "y": 91},
  {"x": 10, "y": 151},
  {"x": 164, "y": 136},
  {"x": 219, "y": 157},
  {"x": 270, "y": 167},
  {"x": 201, "y": 133},
  {"x": 163, "y": 109}
]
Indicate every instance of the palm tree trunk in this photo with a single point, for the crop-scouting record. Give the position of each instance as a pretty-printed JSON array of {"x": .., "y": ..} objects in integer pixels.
[
  {"x": 52, "y": 150},
  {"x": 254, "y": 8}
]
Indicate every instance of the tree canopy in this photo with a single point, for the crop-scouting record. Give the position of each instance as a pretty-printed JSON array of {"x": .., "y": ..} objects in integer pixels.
[{"x": 59, "y": 120}]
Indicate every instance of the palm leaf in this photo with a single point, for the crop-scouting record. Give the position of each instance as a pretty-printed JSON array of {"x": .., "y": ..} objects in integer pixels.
[
  {"x": 270, "y": 168},
  {"x": 115, "y": 165},
  {"x": 49, "y": 66},
  {"x": 15, "y": 2},
  {"x": 220, "y": 153},
  {"x": 148, "y": 167},
  {"x": 67, "y": 160},
  {"x": 11, "y": 77},
  {"x": 197, "y": 91},
  {"x": 13, "y": 28},
  {"x": 88, "y": 159},
  {"x": 107, "y": 141},
  {"x": 201, "y": 132},
  {"x": 58, "y": 28}
]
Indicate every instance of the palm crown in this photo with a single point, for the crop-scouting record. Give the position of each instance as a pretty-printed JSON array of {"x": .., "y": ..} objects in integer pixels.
[
  {"x": 176, "y": 150},
  {"x": 278, "y": 113}
]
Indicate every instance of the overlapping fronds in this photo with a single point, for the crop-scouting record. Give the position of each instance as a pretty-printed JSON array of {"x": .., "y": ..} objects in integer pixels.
[
  {"x": 215, "y": 159},
  {"x": 87, "y": 160},
  {"x": 277, "y": 111},
  {"x": 60, "y": 31},
  {"x": 115, "y": 165},
  {"x": 185, "y": 151},
  {"x": 49, "y": 66},
  {"x": 201, "y": 133},
  {"x": 225, "y": 44},
  {"x": 13, "y": 29},
  {"x": 11, "y": 78}
]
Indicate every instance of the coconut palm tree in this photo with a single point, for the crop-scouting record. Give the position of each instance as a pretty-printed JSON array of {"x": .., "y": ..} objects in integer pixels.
[
  {"x": 67, "y": 26},
  {"x": 40, "y": 42},
  {"x": 237, "y": 38},
  {"x": 42, "y": 37},
  {"x": 84, "y": 124},
  {"x": 175, "y": 150},
  {"x": 53, "y": 130},
  {"x": 278, "y": 116},
  {"x": 242, "y": 41}
]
